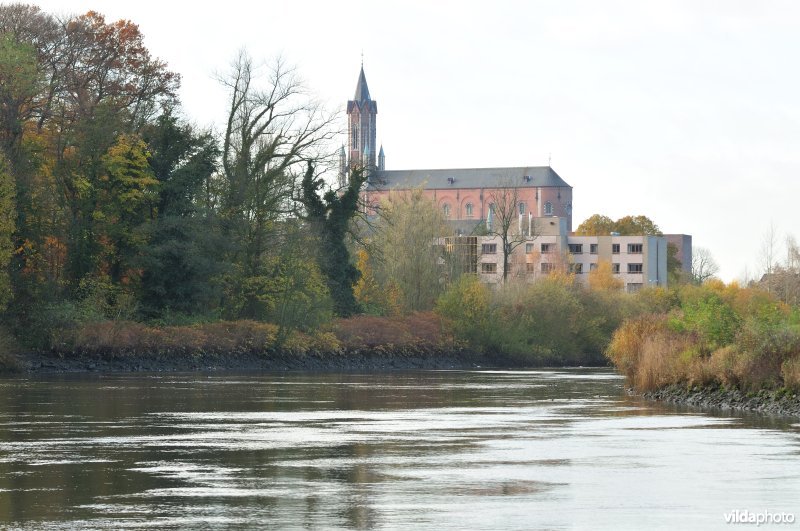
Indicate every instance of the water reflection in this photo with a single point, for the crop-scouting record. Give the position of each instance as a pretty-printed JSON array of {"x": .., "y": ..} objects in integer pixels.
[{"x": 450, "y": 449}]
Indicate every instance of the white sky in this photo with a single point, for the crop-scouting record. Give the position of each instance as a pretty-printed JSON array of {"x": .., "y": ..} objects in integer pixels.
[{"x": 687, "y": 112}]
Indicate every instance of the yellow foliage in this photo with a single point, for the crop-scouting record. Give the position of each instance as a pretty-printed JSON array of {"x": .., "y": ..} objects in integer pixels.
[{"x": 603, "y": 279}]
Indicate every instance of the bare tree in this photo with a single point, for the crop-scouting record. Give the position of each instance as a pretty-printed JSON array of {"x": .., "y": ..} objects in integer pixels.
[
  {"x": 769, "y": 243},
  {"x": 273, "y": 130},
  {"x": 703, "y": 265},
  {"x": 505, "y": 221}
]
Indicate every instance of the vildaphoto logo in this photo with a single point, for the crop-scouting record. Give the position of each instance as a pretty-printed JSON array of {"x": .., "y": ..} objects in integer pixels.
[{"x": 760, "y": 518}]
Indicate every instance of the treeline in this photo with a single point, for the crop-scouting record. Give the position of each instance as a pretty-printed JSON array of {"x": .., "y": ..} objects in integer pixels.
[{"x": 114, "y": 207}]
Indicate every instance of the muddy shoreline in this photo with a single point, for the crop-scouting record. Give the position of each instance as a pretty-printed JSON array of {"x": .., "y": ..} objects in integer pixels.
[{"x": 366, "y": 360}]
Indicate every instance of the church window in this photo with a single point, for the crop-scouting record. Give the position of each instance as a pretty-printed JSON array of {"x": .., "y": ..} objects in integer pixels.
[
  {"x": 446, "y": 210},
  {"x": 548, "y": 208},
  {"x": 522, "y": 209},
  {"x": 468, "y": 209},
  {"x": 355, "y": 138}
]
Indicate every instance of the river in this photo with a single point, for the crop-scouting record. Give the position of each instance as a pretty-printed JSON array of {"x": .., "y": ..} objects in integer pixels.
[{"x": 481, "y": 449}]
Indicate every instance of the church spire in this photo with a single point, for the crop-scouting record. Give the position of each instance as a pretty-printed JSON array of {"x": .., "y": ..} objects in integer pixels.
[{"x": 362, "y": 92}]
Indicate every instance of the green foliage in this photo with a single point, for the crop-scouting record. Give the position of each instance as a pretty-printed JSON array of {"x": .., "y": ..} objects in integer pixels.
[
  {"x": 467, "y": 305},
  {"x": 707, "y": 314},
  {"x": 330, "y": 217}
]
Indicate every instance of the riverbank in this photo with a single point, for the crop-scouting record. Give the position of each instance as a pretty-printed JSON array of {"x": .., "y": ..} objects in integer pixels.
[
  {"x": 348, "y": 361},
  {"x": 781, "y": 402}
]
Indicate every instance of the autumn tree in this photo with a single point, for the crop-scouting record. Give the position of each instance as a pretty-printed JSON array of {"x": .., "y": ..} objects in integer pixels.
[
  {"x": 602, "y": 278},
  {"x": 407, "y": 239},
  {"x": 596, "y": 225},
  {"x": 600, "y": 225}
]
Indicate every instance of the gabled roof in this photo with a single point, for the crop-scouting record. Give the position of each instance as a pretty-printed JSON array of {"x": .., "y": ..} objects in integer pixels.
[
  {"x": 362, "y": 91},
  {"x": 519, "y": 177}
]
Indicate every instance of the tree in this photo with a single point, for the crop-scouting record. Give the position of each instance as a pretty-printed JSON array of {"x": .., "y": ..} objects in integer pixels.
[
  {"x": 273, "y": 129},
  {"x": 406, "y": 240},
  {"x": 596, "y": 225},
  {"x": 602, "y": 278},
  {"x": 600, "y": 225},
  {"x": 704, "y": 266},
  {"x": 7, "y": 215},
  {"x": 636, "y": 225},
  {"x": 505, "y": 223},
  {"x": 329, "y": 216}
]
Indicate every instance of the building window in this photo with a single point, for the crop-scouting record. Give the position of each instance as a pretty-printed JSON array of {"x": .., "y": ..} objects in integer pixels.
[
  {"x": 468, "y": 210},
  {"x": 548, "y": 208},
  {"x": 355, "y": 138},
  {"x": 548, "y": 248},
  {"x": 634, "y": 268},
  {"x": 488, "y": 268},
  {"x": 522, "y": 209},
  {"x": 530, "y": 268},
  {"x": 446, "y": 210},
  {"x": 593, "y": 248},
  {"x": 575, "y": 248},
  {"x": 614, "y": 248},
  {"x": 488, "y": 248},
  {"x": 576, "y": 268},
  {"x": 615, "y": 269},
  {"x": 547, "y": 268},
  {"x": 529, "y": 248},
  {"x": 634, "y": 287},
  {"x": 592, "y": 267},
  {"x": 634, "y": 248}
]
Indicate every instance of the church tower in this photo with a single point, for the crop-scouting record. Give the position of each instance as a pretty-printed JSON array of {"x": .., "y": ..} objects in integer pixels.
[{"x": 361, "y": 115}]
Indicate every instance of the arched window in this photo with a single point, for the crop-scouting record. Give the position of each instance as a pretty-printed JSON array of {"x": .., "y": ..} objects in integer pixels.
[
  {"x": 468, "y": 210},
  {"x": 355, "y": 138},
  {"x": 522, "y": 209},
  {"x": 548, "y": 208},
  {"x": 446, "y": 210}
]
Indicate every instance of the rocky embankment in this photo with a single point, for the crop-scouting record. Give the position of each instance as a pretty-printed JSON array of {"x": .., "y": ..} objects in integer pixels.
[
  {"x": 355, "y": 360},
  {"x": 781, "y": 402}
]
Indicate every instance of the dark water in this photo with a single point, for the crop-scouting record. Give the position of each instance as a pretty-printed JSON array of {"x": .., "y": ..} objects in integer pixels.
[{"x": 561, "y": 449}]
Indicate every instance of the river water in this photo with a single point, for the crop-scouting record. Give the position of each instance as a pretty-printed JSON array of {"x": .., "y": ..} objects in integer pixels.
[{"x": 550, "y": 449}]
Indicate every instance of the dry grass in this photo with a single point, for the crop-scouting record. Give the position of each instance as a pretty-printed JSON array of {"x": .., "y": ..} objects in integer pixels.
[
  {"x": 365, "y": 331},
  {"x": 790, "y": 371}
]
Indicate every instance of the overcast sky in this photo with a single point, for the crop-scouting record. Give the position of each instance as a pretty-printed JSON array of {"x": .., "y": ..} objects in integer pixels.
[{"x": 686, "y": 112}]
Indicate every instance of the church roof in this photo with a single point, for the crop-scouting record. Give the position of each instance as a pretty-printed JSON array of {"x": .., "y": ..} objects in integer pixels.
[
  {"x": 362, "y": 91},
  {"x": 518, "y": 177}
]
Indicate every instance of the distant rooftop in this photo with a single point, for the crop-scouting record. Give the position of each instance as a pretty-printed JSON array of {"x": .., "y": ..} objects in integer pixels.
[{"x": 519, "y": 177}]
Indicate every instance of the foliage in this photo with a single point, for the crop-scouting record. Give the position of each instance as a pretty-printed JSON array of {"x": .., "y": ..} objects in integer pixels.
[
  {"x": 405, "y": 239},
  {"x": 7, "y": 219},
  {"x": 718, "y": 335},
  {"x": 330, "y": 216},
  {"x": 600, "y": 225}
]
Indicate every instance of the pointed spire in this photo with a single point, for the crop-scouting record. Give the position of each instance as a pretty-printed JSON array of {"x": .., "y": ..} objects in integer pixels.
[
  {"x": 362, "y": 92},
  {"x": 381, "y": 160}
]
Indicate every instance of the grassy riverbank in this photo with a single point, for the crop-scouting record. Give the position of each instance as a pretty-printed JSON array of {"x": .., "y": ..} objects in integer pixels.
[
  {"x": 715, "y": 336},
  {"x": 418, "y": 340}
]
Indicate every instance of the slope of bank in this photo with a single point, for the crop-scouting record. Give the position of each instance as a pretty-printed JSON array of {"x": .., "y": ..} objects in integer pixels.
[
  {"x": 357, "y": 360},
  {"x": 781, "y": 402}
]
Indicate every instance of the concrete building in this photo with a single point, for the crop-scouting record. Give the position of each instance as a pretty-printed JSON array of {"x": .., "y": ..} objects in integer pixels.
[{"x": 637, "y": 261}]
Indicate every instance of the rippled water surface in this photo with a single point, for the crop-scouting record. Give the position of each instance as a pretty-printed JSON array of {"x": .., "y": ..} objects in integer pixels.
[{"x": 553, "y": 449}]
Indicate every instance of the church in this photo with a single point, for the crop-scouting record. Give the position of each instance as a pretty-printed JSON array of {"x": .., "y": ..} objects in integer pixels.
[
  {"x": 543, "y": 205},
  {"x": 463, "y": 194}
]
